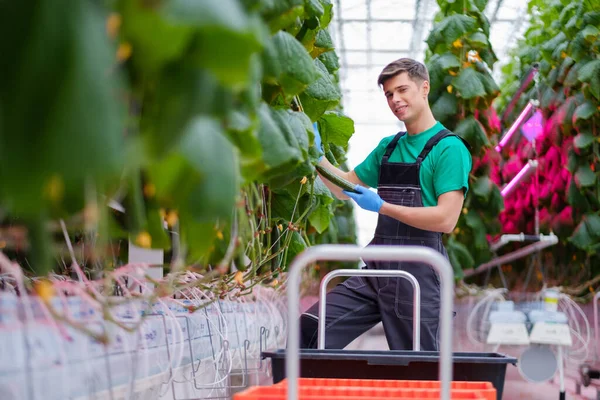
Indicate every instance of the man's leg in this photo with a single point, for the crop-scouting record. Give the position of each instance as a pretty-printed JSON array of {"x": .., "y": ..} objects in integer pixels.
[
  {"x": 351, "y": 310},
  {"x": 396, "y": 301}
]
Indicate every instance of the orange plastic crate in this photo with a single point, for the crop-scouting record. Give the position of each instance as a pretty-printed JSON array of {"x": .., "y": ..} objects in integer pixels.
[
  {"x": 484, "y": 389},
  {"x": 352, "y": 393}
]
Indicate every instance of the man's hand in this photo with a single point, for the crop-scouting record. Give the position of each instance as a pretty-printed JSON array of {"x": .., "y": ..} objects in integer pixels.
[
  {"x": 366, "y": 199},
  {"x": 318, "y": 143}
]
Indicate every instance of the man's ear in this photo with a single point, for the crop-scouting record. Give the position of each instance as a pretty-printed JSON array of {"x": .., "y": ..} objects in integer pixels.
[{"x": 425, "y": 89}]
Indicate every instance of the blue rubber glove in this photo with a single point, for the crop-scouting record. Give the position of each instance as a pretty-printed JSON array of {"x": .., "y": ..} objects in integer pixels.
[
  {"x": 318, "y": 143},
  {"x": 366, "y": 199}
]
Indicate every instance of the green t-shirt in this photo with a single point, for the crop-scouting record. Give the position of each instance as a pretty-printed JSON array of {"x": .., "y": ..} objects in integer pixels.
[{"x": 446, "y": 167}]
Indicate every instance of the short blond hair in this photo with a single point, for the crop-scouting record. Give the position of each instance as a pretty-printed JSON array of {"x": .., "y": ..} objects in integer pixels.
[{"x": 415, "y": 70}]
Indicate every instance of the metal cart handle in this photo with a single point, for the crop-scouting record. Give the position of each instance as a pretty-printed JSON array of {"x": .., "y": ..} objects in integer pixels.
[
  {"x": 371, "y": 273},
  {"x": 372, "y": 253}
]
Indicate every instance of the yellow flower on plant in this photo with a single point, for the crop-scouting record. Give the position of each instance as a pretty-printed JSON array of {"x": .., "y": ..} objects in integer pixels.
[
  {"x": 220, "y": 235},
  {"x": 563, "y": 54},
  {"x": 452, "y": 73},
  {"x": 449, "y": 88},
  {"x": 144, "y": 240},
  {"x": 149, "y": 190},
  {"x": 113, "y": 24},
  {"x": 44, "y": 290},
  {"x": 124, "y": 52},
  {"x": 239, "y": 278},
  {"x": 172, "y": 218},
  {"x": 457, "y": 44},
  {"x": 304, "y": 180}
]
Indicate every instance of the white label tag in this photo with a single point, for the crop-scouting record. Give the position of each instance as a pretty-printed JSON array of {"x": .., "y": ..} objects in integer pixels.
[
  {"x": 549, "y": 333},
  {"x": 508, "y": 334}
]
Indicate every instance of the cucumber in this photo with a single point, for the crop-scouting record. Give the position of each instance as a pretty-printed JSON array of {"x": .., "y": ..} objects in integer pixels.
[{"x": 336, "y": 180}]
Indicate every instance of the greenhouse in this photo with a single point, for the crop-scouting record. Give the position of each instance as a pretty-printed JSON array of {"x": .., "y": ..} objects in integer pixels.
[{"x": 299, "y": 199}]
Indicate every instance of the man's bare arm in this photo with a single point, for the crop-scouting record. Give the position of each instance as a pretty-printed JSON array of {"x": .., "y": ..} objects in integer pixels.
[{"x": 440, "y": 218}]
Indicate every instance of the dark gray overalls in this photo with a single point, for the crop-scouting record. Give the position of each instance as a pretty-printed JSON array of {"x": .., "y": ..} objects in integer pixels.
[{"x": 359, "y": 303}]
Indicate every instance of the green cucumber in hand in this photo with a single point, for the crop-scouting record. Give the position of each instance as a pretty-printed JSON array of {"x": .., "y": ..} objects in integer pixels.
[{"x": 336, "y": 180}]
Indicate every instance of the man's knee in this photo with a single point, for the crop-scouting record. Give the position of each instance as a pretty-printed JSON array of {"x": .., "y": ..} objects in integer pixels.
[{"x": 308, "y": 331}]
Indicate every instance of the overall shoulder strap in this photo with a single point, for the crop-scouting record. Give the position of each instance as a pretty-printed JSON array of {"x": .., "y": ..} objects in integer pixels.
[
  {"x": 392, "y": 145},
  {"x": 435, "y": 140}
]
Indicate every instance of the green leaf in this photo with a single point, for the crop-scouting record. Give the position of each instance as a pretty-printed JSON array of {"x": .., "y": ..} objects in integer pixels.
[
  {"x": 445, "y": 107},
  {"x": 489, "y": 83},
  {"x": 576, "y": 199},
  {"x": 584, "y": 111},
  {"x": 281, "y": 14},
  {"x": 460, "y": 258},
  {"x": 586, "y": 233},
  {"x": 468, "y": 84},
  {"x": 297, "y": 246},
  {"x": 482, "y": 187},
  {"x": 479, "y": 39},
  {"x": 472, "y": 131},
  {"x": 157, "y": 40},
  {"x": 324, "y": 41},
  {"x": 320, "y": 218},
  {"x": 336, "y": 128},
  {"x": 327, "y": 14},
  {"x": 278, "y": 155},
  {"x": 451, "y": 28},
  {"x": 478, "y": 227},
  {"x": 314, "y": 8},
  {"x": 572, "y": 77},
  {"x": 289, "y": 59},
  {"x": 555, "y": 42},
  {"x": 592, "y": 18},
  {"x": 585, "y": 176},
  {"x": 447, "y": 61},
  {"x": 590, "y": 70},
  {"x": 331, "y": 61},
  {"x": 583, "y": 140},
  {"x": 322, "y": 95},
  {"x": 206, "y": 149},
  {"x": 62, "y": 123},
  {"x": 181, "y": 92},
  {"x": 590, "y": 33},
  {"x": 198, "y": 236},
  {"x": 590, "y": 73}
]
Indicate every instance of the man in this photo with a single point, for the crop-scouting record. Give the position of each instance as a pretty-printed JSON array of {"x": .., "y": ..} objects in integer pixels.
[{"x": 421, "y": 177}]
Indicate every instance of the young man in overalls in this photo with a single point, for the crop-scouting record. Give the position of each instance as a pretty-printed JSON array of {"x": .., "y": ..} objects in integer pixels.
[{"x": 421, "y": 177}]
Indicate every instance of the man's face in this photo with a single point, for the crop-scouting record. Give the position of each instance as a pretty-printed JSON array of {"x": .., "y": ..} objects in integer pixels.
[{"x": 406, "y": 98}]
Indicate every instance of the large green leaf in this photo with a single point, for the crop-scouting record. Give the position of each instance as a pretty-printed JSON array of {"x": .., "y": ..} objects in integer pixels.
[
  {"x": 585, "y": 176},
  {"x": 479, "y": 229},
  {"x": 290, "y": 61},
  {"x": 482, "y": 187},
  {"x": 320, "y": 217},
  {"x": 181, "y": 93},
  {"x": 280, "y": 14},
  {"x": 460, "y": 258},
  {"x": 587, "y": 233},
  {"x": 206, "y": 149},
  {"x": 584, "y": 111},
  {"x": 468, "y": 84},
  {"x": 297, "y": 246},
  {"x": 63, "y": 116},
  {"x": 278, "y": 155},
  {"x": 555, "y": 42},
  {"x": 590, "y": 73},
  {"x": 583, "y": 140},
  {"x": 445, "y": 106},
  {"x": 322, "y": 95},
  {"x": 331, "y": 61},
  {"x": 472, "y": 131},
  {"x": 590, "y": 33},
  {"x": 450, "y": 29},
  {"x": 156, "y": 39},
  {"x": 336, "y": 128}
]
